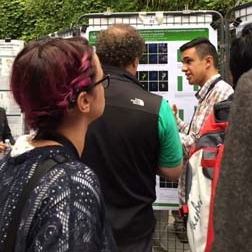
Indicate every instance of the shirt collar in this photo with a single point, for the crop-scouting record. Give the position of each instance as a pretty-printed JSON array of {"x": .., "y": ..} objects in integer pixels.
[{"x": 200, "y": 94}]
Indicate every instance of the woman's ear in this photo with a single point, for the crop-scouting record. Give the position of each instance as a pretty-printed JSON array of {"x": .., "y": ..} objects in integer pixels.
[{"x": 83, "y": 102}]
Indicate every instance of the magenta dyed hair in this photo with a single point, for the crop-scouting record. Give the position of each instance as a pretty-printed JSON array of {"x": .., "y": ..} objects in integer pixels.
[{"x": 45, "y": 75}]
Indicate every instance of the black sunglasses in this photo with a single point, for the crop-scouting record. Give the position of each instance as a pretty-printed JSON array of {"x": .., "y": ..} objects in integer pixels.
[{"x": 105, "y": 81}]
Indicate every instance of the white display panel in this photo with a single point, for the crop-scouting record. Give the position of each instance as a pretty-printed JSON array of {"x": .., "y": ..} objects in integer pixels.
[
  {"x": 159, "y": 71},
  {"x": 8, "y": 51}
]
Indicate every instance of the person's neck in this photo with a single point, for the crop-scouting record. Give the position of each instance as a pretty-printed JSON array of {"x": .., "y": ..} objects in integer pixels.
[
  {"x": 212, "y": 73},
  {"x": 208, "y": 76},
  {"x": 130, "y": 69},
  {"x": 76, "y": 135}
]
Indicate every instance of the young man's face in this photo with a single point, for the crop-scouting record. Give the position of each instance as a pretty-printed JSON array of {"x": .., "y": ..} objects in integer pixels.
[{"x": 194, "y": 68}]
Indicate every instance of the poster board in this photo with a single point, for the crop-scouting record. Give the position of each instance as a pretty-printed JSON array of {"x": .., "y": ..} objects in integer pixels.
[
  {"x": 8, "y": 51},
  {"x": 159, "y": 71}
]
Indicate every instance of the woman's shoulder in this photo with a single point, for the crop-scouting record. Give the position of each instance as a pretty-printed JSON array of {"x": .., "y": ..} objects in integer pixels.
[
  {"x": 78, "y": 171},
  {"x": 57, "y": 157}
]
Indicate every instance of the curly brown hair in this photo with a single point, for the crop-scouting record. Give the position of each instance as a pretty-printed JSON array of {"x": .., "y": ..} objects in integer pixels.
[{"x": 119, "y": 45}]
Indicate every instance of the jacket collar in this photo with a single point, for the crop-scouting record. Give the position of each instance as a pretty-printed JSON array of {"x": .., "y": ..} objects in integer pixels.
[{"x": 121, "y": 74}]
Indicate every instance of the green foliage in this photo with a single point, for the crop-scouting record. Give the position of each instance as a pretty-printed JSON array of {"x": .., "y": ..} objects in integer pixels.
[
  {"x": 11, "y": 18},
  {"x": 29, "y": 19}
]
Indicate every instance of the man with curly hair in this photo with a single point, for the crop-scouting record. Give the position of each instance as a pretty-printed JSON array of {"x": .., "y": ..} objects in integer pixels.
[{"x": 134, "y": 140}]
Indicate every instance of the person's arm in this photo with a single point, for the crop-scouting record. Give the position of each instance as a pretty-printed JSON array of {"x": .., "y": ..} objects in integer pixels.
[
  {"x": 187, "y": 139},
  {"x": 170, "y": 157},
  {"x": 189, "y": 136},
  {"x": 171, "y": 173},
  {"x": 6, "y": 134},
  {"x": 182, "y": 126}
]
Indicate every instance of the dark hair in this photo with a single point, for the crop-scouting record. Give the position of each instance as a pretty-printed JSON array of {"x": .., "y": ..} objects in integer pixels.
[
  {"x": 246, "y": 30},
  {"x": 240, "y": 56},
  {"x": 119, "y": 45},
  {"x": 203, "y": 48},
  {"x": 78, "y": 40},
  {"x": 44, "y": 78}
]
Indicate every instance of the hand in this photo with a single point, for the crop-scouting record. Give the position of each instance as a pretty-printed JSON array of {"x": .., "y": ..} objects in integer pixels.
[
  {"x": 2, "y": 147},
  {"x": 174, "y": 109}
]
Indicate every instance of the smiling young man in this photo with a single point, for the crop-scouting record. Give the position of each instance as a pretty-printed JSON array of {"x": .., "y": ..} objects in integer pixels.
[{"x": 200, "y": 65}]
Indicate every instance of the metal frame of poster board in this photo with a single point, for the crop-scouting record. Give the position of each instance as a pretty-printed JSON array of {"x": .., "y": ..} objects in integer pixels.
[
  {"x": 164, "y": 33},
  {"x": 166, "y": 19},
  {"x": 164, "y": 26},
  {"x": 235, "y": 19},
  {"x": 66, "y": 33}
]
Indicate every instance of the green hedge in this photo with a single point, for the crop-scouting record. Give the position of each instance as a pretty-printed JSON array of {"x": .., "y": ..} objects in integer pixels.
[{"x": 30, "y": 19}]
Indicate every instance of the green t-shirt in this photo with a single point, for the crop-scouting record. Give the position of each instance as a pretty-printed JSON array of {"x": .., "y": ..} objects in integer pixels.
[{"x": 170, "y": 154}]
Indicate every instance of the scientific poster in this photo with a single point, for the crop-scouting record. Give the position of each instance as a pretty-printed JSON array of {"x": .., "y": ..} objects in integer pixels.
[{"x": 159, "y": 72}]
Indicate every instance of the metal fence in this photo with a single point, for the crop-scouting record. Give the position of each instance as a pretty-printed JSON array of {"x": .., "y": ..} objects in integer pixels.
[
  {"x": 235, "y": 19},
  {"x": 166, "y": 19},
  {"x": 166, "y": 238}
]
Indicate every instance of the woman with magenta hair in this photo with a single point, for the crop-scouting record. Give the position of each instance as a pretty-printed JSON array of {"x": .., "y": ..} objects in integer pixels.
[{"x": 59, "y": 86}]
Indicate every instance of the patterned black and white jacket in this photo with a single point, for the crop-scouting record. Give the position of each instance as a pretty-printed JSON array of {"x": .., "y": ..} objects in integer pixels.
[{"x": 65, "y": 211}]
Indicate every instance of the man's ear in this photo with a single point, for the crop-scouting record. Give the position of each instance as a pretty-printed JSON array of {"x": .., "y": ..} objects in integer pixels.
[
  {"x": 135, "y": 62},
  {"x": 132, "y": 67},
  {"x": 83, "y": 102},
  {"x": 209, "y": 60}
]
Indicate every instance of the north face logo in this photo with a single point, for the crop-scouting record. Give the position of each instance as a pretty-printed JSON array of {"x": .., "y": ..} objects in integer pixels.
[{"x": 137, "y": 101}]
